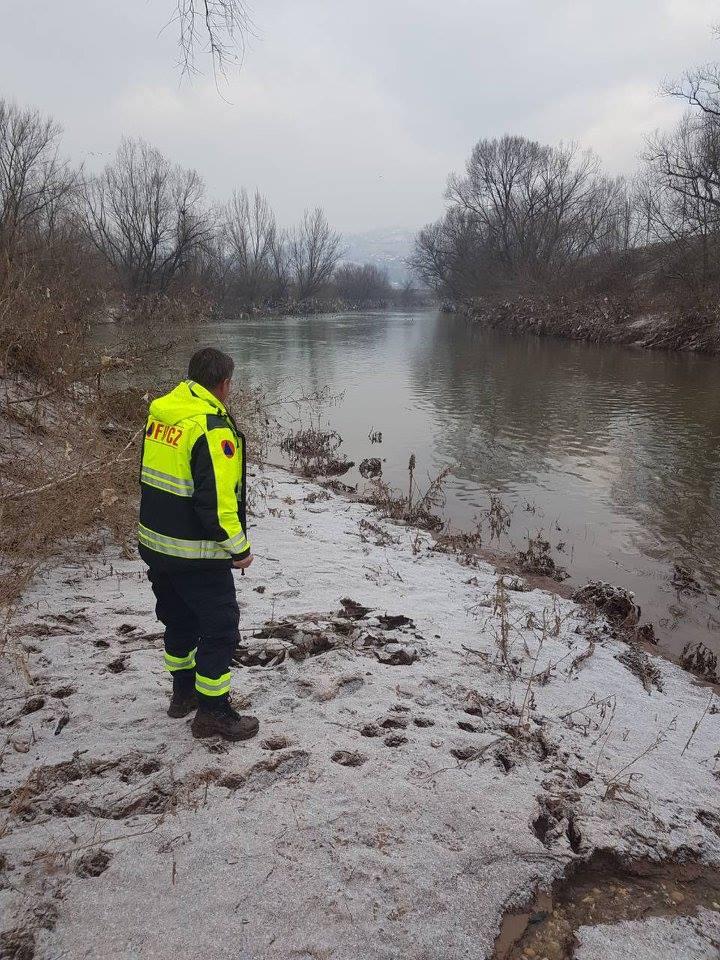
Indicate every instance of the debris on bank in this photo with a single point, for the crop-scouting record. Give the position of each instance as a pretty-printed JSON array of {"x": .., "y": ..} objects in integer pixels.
[
  {"x": 597, "y": 320},
  {"x": 438, "y": 752}
]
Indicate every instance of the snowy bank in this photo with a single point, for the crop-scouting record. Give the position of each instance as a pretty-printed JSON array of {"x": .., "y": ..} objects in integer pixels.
[{"x": 417, "y": 776}]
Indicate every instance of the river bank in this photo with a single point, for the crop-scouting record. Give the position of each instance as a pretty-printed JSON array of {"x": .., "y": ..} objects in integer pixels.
[
  {"x": 435, "y": 748},
  {"x": 599, "y": 321},
  {"x": 407, "y": 299}
]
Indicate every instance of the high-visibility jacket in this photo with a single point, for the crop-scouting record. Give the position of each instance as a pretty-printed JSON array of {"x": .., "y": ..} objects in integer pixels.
[{"x": 192, "y": 504}]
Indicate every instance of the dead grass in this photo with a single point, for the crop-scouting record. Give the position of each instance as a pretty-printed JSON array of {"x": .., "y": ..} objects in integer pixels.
[
  {"x": 70, "y": 442},
  {"x": 416, "y": 507},
  {"x": 72, "y": 411},
  {"x": 465, "y": 545},
  {"x": 315, "y": 453},
  {"x": 537, "y": 560}
]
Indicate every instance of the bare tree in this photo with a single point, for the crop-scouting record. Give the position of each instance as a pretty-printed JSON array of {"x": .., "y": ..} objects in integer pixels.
[
  {"x": 34, "y": 180},
  {"x": 313, "y": 253},
  {"x": 539, "y": 208},
  {"x": 249, "y": 230},
  {"x": 219, "y": 26},
  {"x": 523, "y": 214},
  {"x": 429, "y": 259},
  {"x": 454, "y": 256},
  {"x": 213, "y": 270},
  {"x": 362, "y": 284},
  {"x": 688, "y": 158},
  {"x": 682, "y": 199},
  {"x": 146, "y": 217},
  {"x": 682, "y": 182},
  {"x": 279, "y": 264}
]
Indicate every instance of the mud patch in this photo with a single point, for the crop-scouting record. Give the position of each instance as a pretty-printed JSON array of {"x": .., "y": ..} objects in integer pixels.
[
  {"x": 395, "y": 740},
  {"x": 504, "y": 761},
  {"x": 266, "y": 772},
  {"x": 159, "y": 799},
  {"x": 710, "y": 820},
  {"x": 642, "y": 667},
  {"x": 423, "y": 722},
  {"x": 41, "y": 792},
  {"x": 93, "y": 863},
  {"x": 17, "y": 944},
  {"x": 348, "y": 758},
  {"x": 615, "y": 603},
  {"x": 397, "y": 655},
  {"x": 278, "y": 742},
  {"x": 33, "y": 704},
  {"x": 118, "y": 665},
  {"x": 469, "y": 727},
  {"x": 371, "y": 730},
  {"x": 392, "y": 638},
  {"x": 700, "y": 660},
  {"x": 394, "y": 723},
  {"x": 603, "y": 889}
]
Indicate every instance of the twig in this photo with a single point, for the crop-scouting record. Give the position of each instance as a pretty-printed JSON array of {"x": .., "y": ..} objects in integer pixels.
[
  {"x": 659, "y": 739},
  {"x": 101, "y": 843},
  {"x": 697, "y": 724},
  {"x": 591, "y": 703}
]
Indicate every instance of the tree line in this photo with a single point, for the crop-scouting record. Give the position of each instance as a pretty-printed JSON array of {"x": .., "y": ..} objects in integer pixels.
[
  {"x": 528, "y": 219},
  {"x": 145, "y": 227}
]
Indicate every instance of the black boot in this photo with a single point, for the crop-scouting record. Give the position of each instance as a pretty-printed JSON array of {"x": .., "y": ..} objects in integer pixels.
[
  {"x": 220, "y": 720},
  {"x": 184, "y": 696}
]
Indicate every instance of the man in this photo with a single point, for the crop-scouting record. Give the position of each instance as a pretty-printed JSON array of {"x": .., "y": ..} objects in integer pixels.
[{"x": 192, "y": 534}]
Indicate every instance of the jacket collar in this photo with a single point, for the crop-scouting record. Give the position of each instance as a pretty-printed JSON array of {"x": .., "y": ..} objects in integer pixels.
[{"x": 204, "y": 394}]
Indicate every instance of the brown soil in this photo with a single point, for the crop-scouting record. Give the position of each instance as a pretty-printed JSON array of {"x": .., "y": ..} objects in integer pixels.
[{"x": 603, "y": 889}]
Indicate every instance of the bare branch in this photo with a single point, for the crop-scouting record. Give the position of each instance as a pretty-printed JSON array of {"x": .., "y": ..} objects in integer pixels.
[{"x": 218, "y": 28}]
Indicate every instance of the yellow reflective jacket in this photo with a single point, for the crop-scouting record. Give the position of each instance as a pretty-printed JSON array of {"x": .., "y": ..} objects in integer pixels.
[{"x": 192, "y": 480}]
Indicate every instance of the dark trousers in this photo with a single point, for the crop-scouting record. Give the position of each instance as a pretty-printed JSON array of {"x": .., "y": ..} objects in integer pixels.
[{"x": 200, "y": 613}]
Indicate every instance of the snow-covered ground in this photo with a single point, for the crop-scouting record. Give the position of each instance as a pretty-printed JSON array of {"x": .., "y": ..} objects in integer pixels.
[
  {"x": 407, "y": 787},
  {"x": 682, "y": 938}
]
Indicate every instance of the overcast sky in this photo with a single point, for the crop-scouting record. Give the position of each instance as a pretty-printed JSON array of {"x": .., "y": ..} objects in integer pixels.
[{"x": 362, "y": 107}]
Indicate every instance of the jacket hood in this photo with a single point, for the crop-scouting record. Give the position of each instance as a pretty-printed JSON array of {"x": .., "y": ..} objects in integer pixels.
[{"x": 186, "y": 401}]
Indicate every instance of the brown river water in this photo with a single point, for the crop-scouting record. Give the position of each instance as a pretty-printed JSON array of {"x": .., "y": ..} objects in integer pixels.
[{"x": 612, "y": 452}]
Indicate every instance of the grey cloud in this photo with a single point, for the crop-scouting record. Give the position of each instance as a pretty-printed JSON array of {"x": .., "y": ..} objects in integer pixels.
[{"x": 363, "y": 108}]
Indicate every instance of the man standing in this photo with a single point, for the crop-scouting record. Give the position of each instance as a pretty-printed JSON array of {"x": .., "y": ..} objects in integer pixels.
[{"x": 191, "y": 535}]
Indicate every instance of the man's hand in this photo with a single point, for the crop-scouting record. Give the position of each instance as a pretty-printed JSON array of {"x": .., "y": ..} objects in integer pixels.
[{"x": 244, "y": 563}]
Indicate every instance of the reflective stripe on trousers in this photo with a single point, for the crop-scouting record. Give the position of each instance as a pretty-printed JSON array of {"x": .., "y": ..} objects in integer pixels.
[
  {"x": 213, "y": 688},
  {"x": 180, "y": 663}
]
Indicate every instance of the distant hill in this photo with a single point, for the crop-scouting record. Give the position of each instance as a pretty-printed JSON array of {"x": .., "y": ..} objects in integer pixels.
[{"x": 388, "y": 249}]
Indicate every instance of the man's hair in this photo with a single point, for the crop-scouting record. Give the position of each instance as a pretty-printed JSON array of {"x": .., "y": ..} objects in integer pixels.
[{"x": 209, "y": 367}]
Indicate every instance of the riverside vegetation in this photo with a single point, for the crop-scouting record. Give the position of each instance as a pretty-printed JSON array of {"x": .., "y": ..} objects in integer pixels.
[{"x": 537, "y": 239}]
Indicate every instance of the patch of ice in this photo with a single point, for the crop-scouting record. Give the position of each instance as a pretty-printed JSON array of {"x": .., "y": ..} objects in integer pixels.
[{"x": 657, "y": 938}]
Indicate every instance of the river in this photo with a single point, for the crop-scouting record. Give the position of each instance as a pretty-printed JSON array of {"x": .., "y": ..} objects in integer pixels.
[{"x": 613, "y": 452}]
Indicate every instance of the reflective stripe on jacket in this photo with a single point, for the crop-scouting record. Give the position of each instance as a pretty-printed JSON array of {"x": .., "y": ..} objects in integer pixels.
[{"x": 192, "y": 480}]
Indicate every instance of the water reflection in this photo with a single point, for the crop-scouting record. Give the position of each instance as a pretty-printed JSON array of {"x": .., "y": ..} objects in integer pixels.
[
  {"x": 618, "y": 449},
  {"x": 641, "y": 429}
]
